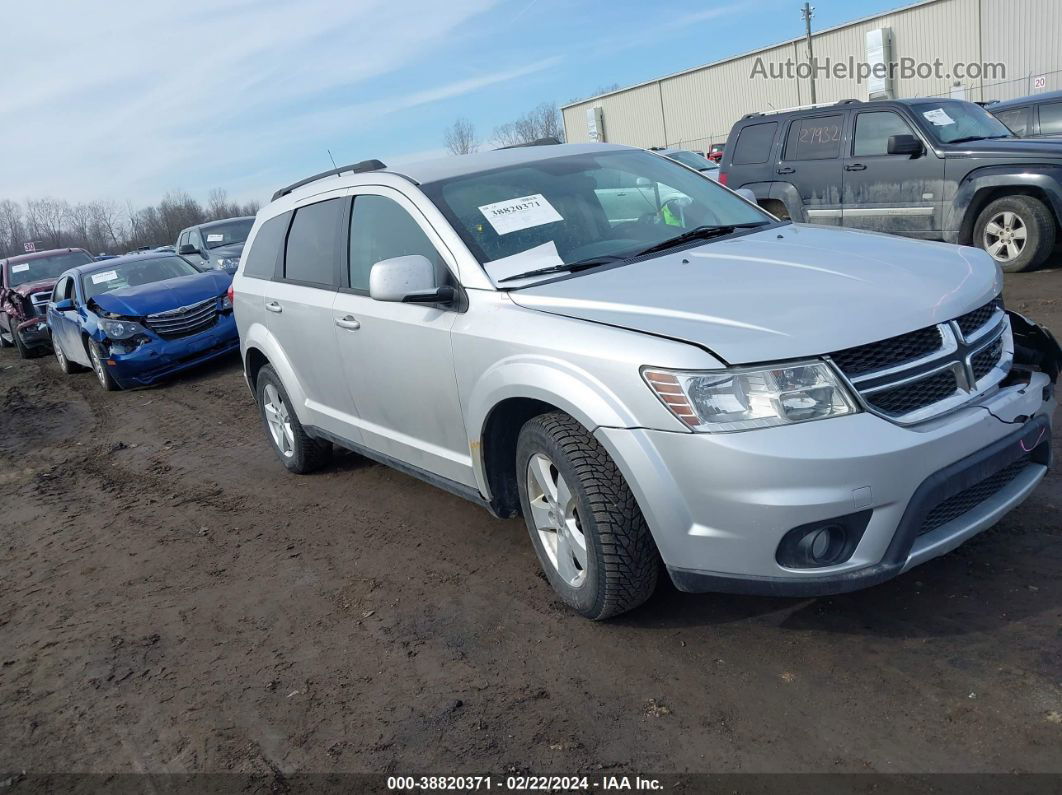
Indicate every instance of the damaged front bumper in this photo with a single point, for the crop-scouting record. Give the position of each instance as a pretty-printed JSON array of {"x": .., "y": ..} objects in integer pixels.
[{"x": 34, "y": 334}]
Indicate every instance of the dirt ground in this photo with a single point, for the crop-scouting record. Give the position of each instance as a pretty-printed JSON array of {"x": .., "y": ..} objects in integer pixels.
[{"x": 171, "y": 601}]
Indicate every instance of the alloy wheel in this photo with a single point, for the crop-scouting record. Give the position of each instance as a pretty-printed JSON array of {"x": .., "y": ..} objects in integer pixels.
[
  {"x": 97, "y": 365},
  {"x": 278, "y": 419},
  {"x": 1005, "y": 236},
  {"x": 556, "y": 518},
  {"x": 59, "y": 355}
]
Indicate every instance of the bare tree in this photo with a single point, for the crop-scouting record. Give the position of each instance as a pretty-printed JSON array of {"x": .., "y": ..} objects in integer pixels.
[
  {"x": 13, "y": 233},
  {"x": 543, "y": 121},
  {"x": 45, "y": 218},
  {"x": 461, "y": 137}
]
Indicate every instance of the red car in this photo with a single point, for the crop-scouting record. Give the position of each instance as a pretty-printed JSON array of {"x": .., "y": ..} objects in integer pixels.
[
  {"x": 715, "y": 153},
  {"x": 26, "y": 283}
]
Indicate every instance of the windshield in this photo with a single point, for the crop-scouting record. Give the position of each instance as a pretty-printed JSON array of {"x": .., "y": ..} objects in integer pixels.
[
  {"x": 45, "y": 268},
  {"x": 954, "y": 122},
  {"x": 565, "y": 210},
  {"x": 692, "y": 159},
  {"x": 226, "y": 234},
  {"x": 134, "y": 274}
]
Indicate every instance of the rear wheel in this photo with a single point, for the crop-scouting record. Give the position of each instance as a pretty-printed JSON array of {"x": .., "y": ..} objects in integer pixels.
[
  {"x": 1017, "y": 231},
  {"x": 586, "y": 527},
  {"x": 298, "y": 452},
  {"x": 100, "y": 369}
]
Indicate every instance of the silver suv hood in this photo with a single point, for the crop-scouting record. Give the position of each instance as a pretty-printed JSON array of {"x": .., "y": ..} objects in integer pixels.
[{"x": 782, "y": 293}]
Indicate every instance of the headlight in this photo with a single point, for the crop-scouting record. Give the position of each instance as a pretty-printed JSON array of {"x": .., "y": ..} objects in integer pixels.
[
  {"x": 226, "y": 302},
  {"x": 228, "y": 263},
  {"x": 121, "y": 329},
  {"x": 741, "y": 399}
]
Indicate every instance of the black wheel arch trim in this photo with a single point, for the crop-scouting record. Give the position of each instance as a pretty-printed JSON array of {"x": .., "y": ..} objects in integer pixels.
[{"x": 1046, "y": 178}]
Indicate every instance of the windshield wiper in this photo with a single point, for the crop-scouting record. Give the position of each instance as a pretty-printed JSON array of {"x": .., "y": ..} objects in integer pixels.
[
  {"x": 705, "y": 232},
  {"x": 578, "y": 265}
]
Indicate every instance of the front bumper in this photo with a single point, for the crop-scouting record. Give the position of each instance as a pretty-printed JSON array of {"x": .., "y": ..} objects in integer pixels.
[
  {"x": 159, "y": 359},
  {"x": 35, "y": 333},
  {"x": 720, "y": 504}
]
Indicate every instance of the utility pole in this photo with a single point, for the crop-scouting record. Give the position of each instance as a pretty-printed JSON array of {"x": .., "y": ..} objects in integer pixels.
[{"x": 806, "y": 12}]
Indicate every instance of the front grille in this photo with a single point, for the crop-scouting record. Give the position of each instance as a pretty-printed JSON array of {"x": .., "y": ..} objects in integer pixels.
[
  {"x": 888, "y": 353},
  {"x": 968, "y": 499},
  {"x": 40, "y": 303},
  {"x": 185, "y": 321},
  {"x": 972, "y": 321},
  {"x": 915, "y": 395},
  {"x": 983, "y": 362}
]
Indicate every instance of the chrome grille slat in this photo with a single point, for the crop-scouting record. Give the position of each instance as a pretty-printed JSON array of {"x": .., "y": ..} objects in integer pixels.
[
  {"x": 928, "y": 372},
  {"x": 184, "y": 321}
]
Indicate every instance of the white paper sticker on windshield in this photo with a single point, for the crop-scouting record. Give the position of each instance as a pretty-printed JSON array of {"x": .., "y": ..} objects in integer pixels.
[
  {"x": 523, "y": 213},
  {"x": 544, "y": 256},
  {"x": 938, "y": 117},
  {"x": 215, "y": 238},
  {"x": 19, "y": 268},
  {"x": 106, "y": 276}
]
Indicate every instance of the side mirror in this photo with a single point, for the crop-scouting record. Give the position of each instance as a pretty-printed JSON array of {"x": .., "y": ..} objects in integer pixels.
[
  {"x": 66, "y": 305},
  {"x": 407, "y": 280},
  {"x": 187, "y": 248},
  {"x": 904, "y": 145},
  {"x": 746, "y": 194}
]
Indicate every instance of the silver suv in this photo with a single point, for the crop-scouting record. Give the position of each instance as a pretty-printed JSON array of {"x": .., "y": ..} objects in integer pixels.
[{"x": 646, "y": 366}]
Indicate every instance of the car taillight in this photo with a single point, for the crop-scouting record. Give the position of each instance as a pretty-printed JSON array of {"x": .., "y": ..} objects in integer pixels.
[{"x": 722, "y": 181}]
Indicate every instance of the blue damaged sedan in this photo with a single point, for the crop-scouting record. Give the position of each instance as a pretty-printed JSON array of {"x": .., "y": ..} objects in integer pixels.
[{"x": 138, "y": 319}]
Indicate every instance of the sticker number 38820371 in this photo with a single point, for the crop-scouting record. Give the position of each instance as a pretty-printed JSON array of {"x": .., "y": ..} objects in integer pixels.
[{"x": 522, "y": 213}]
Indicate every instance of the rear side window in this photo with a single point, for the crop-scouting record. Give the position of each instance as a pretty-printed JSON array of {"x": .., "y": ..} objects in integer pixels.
[
  {"x": 814, "y": 139},
  {"x": 381, "y": 229},
  {"x": 754, "y": 143},
  {"x": 1016, "y": 119},
  {"x": 265, "y": 252},
  {"x": 873, "y": 131},
  {"x": 311, "y": 252},
  {"x": 1051, "y": 118}
]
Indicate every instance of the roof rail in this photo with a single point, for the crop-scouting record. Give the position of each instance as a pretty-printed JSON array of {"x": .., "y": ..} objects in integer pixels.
[
  {"x": 355, "y": 168},
  {"x": 547, "y": 141},
  {"x": 802, "y": 107}
]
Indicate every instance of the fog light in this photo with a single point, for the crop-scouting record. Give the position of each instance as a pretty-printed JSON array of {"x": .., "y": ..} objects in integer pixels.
[{"x": 825, "y": 543}]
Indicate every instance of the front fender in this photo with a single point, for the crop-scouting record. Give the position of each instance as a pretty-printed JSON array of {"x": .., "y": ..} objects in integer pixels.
[
  {"x": 258, "y": 337},
  {"x": 549, "y": 380},
  {"x": 1045, "y": 177}
]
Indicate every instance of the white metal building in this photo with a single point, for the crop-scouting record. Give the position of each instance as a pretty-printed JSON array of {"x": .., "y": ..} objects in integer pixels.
[{"x": 698, "y": 106}]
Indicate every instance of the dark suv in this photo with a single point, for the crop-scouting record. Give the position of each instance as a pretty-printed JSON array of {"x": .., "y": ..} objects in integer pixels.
[
  {"x": 1030, "y": 117},
  {"x": 26, "y": 283},
  {"x": 926, "y": 168}
]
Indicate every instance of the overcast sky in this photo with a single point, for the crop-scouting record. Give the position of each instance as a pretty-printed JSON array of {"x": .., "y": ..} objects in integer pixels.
[{"x": 126, "y": 99}]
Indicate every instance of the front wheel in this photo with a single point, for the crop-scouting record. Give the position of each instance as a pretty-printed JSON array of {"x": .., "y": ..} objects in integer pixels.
[
  {"x": 586, "y": 527},
  {"x": 1017, "y": 231},
  {"x": 298, "y": 452},
  {"x": 20, "y": 346},
  {"x": 100, "y": 369}
]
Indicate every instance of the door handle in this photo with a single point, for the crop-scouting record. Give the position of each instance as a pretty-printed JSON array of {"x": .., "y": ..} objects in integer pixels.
[
  {"x": 273, "y": 306},
  {"x": 855, "y": 167},
  {"x": 786, "y": 170},
  {"x": 348, "y": 322}
]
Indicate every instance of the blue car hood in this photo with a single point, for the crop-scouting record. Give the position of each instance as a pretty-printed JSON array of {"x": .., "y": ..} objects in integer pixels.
[{"x": 147, "y": 299}]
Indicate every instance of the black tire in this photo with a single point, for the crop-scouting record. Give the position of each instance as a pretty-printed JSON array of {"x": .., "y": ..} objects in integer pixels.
[
  {"x": 20, "y": 346},
  {"x": 99, "y": 369},
  {"x": 306, "y": 454},
  {"x": 1036, "y": 221},
  {"x": 622, "y": 559}
]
